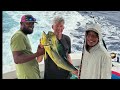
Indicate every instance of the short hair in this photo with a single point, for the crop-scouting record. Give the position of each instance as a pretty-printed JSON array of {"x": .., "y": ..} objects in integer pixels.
[{"x": 58, "y": 19}]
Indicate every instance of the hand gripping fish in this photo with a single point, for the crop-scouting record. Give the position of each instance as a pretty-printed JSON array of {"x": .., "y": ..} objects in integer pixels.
[{"x": 50, "y": 43}]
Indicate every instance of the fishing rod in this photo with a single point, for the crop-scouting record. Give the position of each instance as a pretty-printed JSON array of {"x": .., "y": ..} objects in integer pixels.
[{"x": 80, "y": 66}]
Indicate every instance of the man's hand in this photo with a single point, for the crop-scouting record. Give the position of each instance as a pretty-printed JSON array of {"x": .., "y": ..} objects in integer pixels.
[
  {"x": 75, "y": 72},
  {"x": 40, "y": 50}
]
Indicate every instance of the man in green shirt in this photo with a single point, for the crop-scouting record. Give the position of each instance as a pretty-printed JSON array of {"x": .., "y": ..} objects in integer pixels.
[{"x": 26, "y": 64}]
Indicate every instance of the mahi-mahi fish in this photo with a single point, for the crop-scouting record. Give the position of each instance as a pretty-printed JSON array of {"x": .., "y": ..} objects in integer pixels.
[{"x": 50, "y": 43}]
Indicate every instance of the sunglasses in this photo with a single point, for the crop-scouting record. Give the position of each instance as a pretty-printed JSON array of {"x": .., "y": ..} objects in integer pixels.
[{"x": 30, "y": 19}]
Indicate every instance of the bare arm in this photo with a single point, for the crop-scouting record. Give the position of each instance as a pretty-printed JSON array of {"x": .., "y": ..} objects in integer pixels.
[{"x": 20, "y": 57}]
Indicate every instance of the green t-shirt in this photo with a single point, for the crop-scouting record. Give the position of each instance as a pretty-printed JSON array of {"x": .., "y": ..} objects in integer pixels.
[{"x": 27, "y": 70}]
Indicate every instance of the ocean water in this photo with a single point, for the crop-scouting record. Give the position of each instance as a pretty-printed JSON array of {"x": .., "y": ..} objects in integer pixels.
[{"x": 75, "y": 22}]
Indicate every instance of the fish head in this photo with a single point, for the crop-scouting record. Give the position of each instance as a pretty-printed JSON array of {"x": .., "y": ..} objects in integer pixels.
[{"x": 44, "y": 39}]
